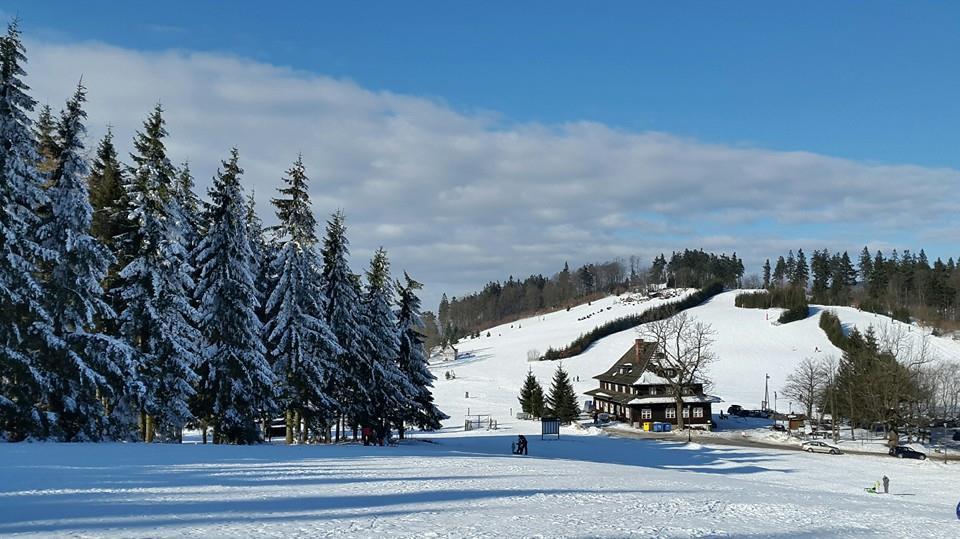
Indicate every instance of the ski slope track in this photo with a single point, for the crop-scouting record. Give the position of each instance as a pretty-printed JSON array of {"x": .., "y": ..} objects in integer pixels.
[{"x": 456, "y": 483}]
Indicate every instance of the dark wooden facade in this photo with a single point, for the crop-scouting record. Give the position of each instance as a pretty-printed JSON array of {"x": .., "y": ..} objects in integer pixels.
[{"x": 637, "y": 390}]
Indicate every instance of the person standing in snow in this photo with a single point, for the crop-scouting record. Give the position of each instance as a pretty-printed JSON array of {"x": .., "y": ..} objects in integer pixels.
[
  {"x": 886, "y": 485},
  {"x": 521, "y": 445}
]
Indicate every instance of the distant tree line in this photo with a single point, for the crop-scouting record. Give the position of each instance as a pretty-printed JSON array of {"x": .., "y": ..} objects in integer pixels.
[
  {"x": 501, "y": 302},
  {"x": 901, "y": 284}
]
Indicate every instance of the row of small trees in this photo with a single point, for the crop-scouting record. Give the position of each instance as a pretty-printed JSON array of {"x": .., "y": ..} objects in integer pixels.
[
  {"x": 561, "y": 402},
  {"x": 131, "y": 308}
]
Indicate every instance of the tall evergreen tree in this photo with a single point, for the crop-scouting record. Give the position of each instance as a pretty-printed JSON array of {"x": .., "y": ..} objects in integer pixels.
[
  {"x": 390, "y": 391},
  {"x": 780, "y": 271},
  {"x": 293, "y": 208},
  {"x": 345, "y": 318},
  {"x": 155, "y": 286},
  {"x": 413, "y": 359},
  {"x": 303, "y": 347},
  {"x": 801, "y": 273},
  {"x": 865, "y": 265},
  {"x": 88, "y": 371},
  {"x": 877, "y": 284},
  {"x": 23, "y": 319},
  {"x": 766, "y": 274},
  {"x": 107, "y": 194},
  {"x": 843, "y": 278},
  {"x": 562, "y": 400},
  {"x": 241, "y": 383},
  {"x": 820, "y": 268}
]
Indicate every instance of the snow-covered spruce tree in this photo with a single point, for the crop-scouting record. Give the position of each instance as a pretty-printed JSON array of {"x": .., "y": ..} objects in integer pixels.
[
  {"x": 413, "y": 359},
  {"x": 240, "y": 383},
  {"x": 391, "y": 392},
  {"x": 23, "y": 320},
  {"x": 343, "y": 315},
  {"x": 156, "y": 285},
  {"x": 562, "y": 400},
  {"x": 87, "y": 371},
  {"x": 303, "y": 348},
  {"x": 110, "y": 224}
]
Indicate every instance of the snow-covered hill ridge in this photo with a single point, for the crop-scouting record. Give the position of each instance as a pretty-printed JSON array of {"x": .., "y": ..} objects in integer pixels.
[{"x": 749, "y": 345}]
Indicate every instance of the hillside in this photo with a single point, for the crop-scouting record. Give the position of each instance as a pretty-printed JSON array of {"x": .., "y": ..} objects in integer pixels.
[{"x": 749, "y": 344}]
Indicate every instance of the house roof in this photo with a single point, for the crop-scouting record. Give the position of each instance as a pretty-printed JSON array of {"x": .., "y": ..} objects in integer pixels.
[{"x": 630, "y": 369}]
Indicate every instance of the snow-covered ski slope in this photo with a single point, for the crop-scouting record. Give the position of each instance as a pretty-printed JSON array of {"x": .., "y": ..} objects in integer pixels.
[{"x": 749, "y": 344}]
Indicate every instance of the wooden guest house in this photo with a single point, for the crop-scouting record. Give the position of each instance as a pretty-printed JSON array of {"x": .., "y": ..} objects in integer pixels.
[{"x": 637, "y": 389}]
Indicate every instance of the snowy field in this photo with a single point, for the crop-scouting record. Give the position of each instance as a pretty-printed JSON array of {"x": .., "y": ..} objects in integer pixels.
[
  {"x": 579, "y": 486},
  {"x": 465, "y": 484}
]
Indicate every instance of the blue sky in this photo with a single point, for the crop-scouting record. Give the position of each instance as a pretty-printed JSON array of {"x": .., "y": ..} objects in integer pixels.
[
  {"x": 496, "y": 138},
  {"x": 831, "y": 77}
]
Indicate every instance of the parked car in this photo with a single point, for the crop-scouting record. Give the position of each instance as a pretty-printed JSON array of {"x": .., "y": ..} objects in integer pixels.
[
  {"x": 735, "y": 409},
  {"x": 820, "y": 447},
  {"x": 904, "y": 452},
  {"x": 778, "y": 427}
]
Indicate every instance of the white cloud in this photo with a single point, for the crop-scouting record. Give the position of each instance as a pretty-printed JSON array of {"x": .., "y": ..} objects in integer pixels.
[{"x": 460, "y": 198}]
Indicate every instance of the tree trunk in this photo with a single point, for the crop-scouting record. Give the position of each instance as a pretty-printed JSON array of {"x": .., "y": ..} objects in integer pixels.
[
  {"x": 301, "y": 427},
  {"x": 680, "y": 422},
  {"x": 289, "y": 425},
  {"x": 142, "y": 426},
  {"x": 149, "y": 428},
  {"x": 203, "y": 429}
]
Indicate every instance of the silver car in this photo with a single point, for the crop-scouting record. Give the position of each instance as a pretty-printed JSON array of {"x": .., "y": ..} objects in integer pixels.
[{"x": 820, "y": 447}]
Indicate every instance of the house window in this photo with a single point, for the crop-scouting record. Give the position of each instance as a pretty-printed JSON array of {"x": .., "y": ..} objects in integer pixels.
[
  {"x": 646, "y": 413},
  {"x": 686, "y": 413},
  {"x": 698, "y": 412},
  {"x": 671, "y": 413},
  {"x": 653, "y": 390}
]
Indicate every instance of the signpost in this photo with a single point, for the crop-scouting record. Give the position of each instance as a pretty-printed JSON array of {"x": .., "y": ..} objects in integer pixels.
[{"x": 549, "y": 426}]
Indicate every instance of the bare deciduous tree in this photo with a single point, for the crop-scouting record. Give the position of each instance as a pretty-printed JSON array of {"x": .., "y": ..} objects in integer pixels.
[
  {"x": 683, "y": 353},
  {"x": 806, "y": 383}
]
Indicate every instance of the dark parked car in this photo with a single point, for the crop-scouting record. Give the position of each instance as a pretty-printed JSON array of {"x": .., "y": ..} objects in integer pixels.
[
  {"x": 735, "y": 409},
  {"x": 904, "y": 452}
]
